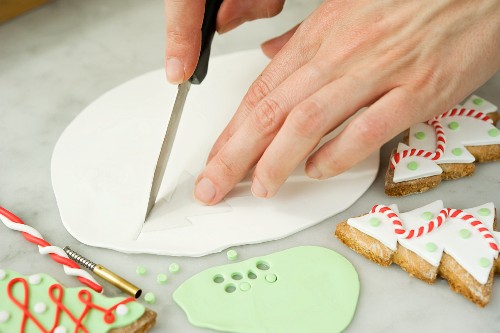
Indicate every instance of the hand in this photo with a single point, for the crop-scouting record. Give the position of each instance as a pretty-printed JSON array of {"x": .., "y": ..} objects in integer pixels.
[
  {"x": 184, "y": 20},
  {"x": 407, "y": 60}
]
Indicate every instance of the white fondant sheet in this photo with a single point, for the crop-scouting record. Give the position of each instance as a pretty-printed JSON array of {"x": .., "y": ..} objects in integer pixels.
[{"x": 103, "y": 165}]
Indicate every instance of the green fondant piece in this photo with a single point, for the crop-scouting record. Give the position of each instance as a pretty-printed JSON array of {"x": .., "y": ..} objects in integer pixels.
[
  {"x": 141, "y": 270},
  {"x": 457, "y": 151},
  {"x": 245, "y": 286},
  {"x": 477, "y": 101},
  {"x": 412, "y": 166},
  {"x": 484, "y": 262},
  {"x": 174, "y": 268},
  {"x": 431, "y": 247},
  {"x": 316, "y": 290},
  {"x": 161, "y": 278},
  {"x": 493, "y": 132},
  {"x": 484, "y": 211},
  {"x": 464, "y": 233},
  {"x": 232, "y": 255},
  {"x": 150, "y": 298},
  {"x": 39, "y": 293},
  {"x": 453, "y": 125},
  {"x": 427, "y": 216},
  {"x": 420, "y": 135},
  {"x": 374, "y": 221}
]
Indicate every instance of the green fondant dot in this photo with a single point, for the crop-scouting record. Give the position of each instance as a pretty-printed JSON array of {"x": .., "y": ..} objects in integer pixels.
[
  {"x": 484, "y": 211},
  {"x": 431, "y": 247},
  {"x": 245, "y": 286},
  {"x": 427, "y": 216},
  {"x": 493, "y": 132},
  {"x": 174, "y": 268},
  {"x": 141, "y": 270},
  {"x": 484, "y": 262},
  {"x": 412, "y": 166},
  {"x": 420, "y": 135},
  {"x": 374, "y": 221},
  {"x": 150, "y": 298},
  {"x": 161, "y": 278},
  {"x": 464, "y": 233},
  {"x": 477, "y": 101},
  {"x": 453, "y": 125},
  {"x": 232, "y": 255},
  {"x": 271, "y": 278},
  {"x": 457, "y": 151}
]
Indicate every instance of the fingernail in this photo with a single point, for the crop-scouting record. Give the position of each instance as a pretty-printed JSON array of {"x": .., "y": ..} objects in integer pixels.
[
  {"x": 205, "y": 191},
  {"x": 258, "y": 189},
  {"x": 312, "y": 171},
  {"x": 175, "y": 70},
  {"x": 231, "y": 25}
]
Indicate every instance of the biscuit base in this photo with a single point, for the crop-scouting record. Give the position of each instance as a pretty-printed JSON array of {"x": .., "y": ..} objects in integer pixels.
[
  {"x": 458, "y": 278},
  {"x": 141, "y": 325}
]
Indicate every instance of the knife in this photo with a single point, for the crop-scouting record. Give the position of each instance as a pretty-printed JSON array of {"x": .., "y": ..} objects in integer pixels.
[{"x": 207, "y": 34}]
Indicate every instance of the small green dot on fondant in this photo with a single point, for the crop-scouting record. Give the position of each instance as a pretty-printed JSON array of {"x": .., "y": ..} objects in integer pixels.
[
  {"x": 174, "y": 268},
  {"x": 161, "y": 278},
  {"x": 245, "y": 286},
  {"x": 141, "y": 270},
  {"x": 420, "y": 135},
  {"x": 412, "y": 166},
  {"x": 271, "y": 278},
  {"x": 431, "y": 247},
  {"x": 374, "y": 221},
  {"x": 493, "y": 132},
  {"x": 457, "y": 151},
  {"x": 427, "y": 216},
  {"x": 484, "y": 211},
  {"x": 150, "y": 298},
  {"x": 453, "y": 125},
  {"x": 477, "y": 101},
  {"x": 484, "y": 262},
  {"x": 464, "y": 233},
  {"x": 232, "y": 255}
]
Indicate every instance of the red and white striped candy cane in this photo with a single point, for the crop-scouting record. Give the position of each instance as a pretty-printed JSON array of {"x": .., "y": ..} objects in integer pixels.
[
  {"x": 435, "y": 223},
  {"x": 467, "y": 113},
  {"x": 13, "y": 222},
  {"x": 435, "y": 155}
]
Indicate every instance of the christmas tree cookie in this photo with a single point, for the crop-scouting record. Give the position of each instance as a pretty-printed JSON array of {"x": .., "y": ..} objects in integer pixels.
[
  {"x": 38, "y": 303},
  {"x": 460, "y": 246},
  {"x": 446, "y": 147}
]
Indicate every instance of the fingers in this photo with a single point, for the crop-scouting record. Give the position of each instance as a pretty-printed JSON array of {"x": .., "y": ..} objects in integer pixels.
[
  {"x": 367, "y": 132},
  {"x": 184, "y": 20},
  {"x": 235, "y": 12},
  {"x": 273, "y": 46},
  {"x": 240, "y": 153},
  {"x": 304, "y": 127}
]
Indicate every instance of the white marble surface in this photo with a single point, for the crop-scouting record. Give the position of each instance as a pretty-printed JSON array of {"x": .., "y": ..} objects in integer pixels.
[{"x": 56, "y": 60}]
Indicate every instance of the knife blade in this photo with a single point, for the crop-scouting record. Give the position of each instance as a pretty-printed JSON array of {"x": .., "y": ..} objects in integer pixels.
[{"x": 207, "y": 34}]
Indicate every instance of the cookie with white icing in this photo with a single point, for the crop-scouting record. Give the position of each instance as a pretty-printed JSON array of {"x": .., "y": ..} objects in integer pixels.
[
  {"x": 446, "y": 147},
  {"x": 461, "y": 246},
  {"x": 38, "y": 303}
]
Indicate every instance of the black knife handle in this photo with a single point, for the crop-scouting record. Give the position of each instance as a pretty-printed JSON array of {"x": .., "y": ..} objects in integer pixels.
[{"x": 207, "y": 34}]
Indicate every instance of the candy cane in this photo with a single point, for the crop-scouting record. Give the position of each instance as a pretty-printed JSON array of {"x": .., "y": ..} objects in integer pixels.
[
  {"x": 13, "y": 222},
  {"x": 435, "y": 223},
  {"x": 440, "y": 137}
]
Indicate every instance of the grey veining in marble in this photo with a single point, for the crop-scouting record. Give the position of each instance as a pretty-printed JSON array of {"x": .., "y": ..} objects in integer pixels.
[{"x": 57, "y": 59}]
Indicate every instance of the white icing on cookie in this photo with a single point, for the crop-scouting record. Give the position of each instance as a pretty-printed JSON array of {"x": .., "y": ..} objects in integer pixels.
[
  {"x": 480, "y": 104},
  {"x": 425, "y": 167}
]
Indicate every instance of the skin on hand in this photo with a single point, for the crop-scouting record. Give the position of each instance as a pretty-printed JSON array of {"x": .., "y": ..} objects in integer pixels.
[
  {"x": 184, "y": 20},
  {"x": 406, "y": 60}
]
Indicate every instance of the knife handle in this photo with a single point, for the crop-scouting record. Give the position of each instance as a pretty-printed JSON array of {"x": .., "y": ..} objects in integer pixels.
[{"x": 207, "y": 34}]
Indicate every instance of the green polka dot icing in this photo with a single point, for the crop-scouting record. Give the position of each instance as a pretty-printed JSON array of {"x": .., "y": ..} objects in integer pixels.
[
  {"x": 232, "y": 255},
  {"x": 174, "y": 268},
  {"x": 150, "y": 298},
  {"x": 374, "y": 221},
  {"x": 412, "y": 166},
  {"x": 464, "y": 233},
  {"x": 457, "y": 151},
  {"x": 431, "y": 247},
  {"x": 141, "y": 270},
  {"x": 161, "y": 278},
  {"x": 453, "y": 125},
  {"x": 427, "y": 216},
  {"x": 44, "y": 309},
  {"x": 329, "y": 300},
  {"x": 484, "y": 211},
  {"x": 477, "y": 101},
  {"x": 493, "y": 132},
  {"x": 420, "y": 135},
  {"x": 484, "y": 262}
]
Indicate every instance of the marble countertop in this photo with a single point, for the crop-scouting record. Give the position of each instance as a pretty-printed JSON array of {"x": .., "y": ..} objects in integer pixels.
[{"x": 57, "y": 59}]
